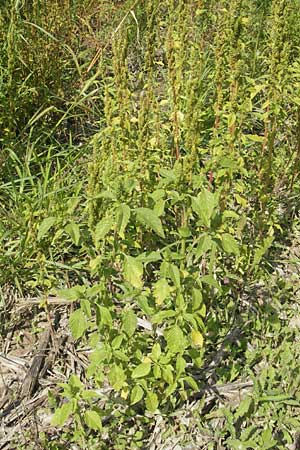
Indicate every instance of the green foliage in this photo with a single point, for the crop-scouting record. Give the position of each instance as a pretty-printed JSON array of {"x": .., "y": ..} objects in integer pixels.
[{"x": 150, "y": 153}]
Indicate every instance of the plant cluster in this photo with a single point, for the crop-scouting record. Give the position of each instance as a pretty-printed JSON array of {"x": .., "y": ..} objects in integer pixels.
[{"x": 193, "y": 164}]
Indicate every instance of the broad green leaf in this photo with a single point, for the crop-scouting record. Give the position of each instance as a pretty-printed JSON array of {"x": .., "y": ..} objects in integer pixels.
[
  {"x": 133, "y": 271},
  {"x": 62, "y": 414},
  {"x": 229, "y": 244},
  {"x": 117, "y": 377},
  {"x": 167, "y": 374},
  {"x": 180, "y": 365},
  {"x": 78, "y": 323},
  {"x": 156, "y": 352},
  {"x": 117, "y": 341},
  {"x": 121, "y": 356},
  {"x": 103, "y": 228},
  {"x": 151, "y": 402},
  {"x": 192, "y": 382},
  {"x": 74, "y": 293},
  {"x": 73, "y": 231},
  {"x": 149, "y": 257},
  {"x": 93, "y": 420},
  {"x": 157, "y": 372},
  {"x": 197, "y": 338},
  {"x": 75, "y": 382},
  {"x": 45, "y": 227},
  {"x": 184, "y": 232},
  {"x": 197, "y": 299},
  {"x": 136, "y": 395},
  {"x": 129, "y": 322},
  {"x": 159, "y": 207},
  {"x": 162, "y": 315},
  {"x": 142, "y": 370},
  {"x": 204, "y": 205},
  {"x": 175, "y": 339},
  {"x": 204, "y": 244},
  {"x": 89, "y": 395},
  {"x": 150, "y": 219},
  {"x": 210, "y": 280},
  {"x": 161, "y": 291},
  {"x": 123, "y": 216},
  {"x": 105, "y": 316},
  {"x": 174, "y": 274}
]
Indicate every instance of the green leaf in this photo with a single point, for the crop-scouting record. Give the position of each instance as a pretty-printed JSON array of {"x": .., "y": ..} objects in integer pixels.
[
  {"x": 78, "y": 323},
  {"x": 74, "y": 293},
  {"x": 136, "y": 395},
  {"x": 167, "y": 374},
  {"x": 159, "y": 207},
  {"x": 161, "y": 291},
  {"x": 180, "y": 365},
  {"x": 133, "y": 271},
  {"x": 175, "y": 339},
  {"x": 204, "y": 205},
  {"x": 197, "y": 338},
  {"x": 103, "y": 228},
  {"x": 117, "y": 377},
  {"x": 192, "y": 383},
  {"x": 151, "y": 402},
  {"x": 209, "y": 279},
  {"x": 267, "y": 440},
  {"x": 105, "y": 316},
  {"x": 174, "y": 274},
  {"x": 244, "y": 408},
  {"x": 62, "y": 414},
  {"x": 197, "y": 299},
  {"x": 123, "y": 216},
  {"x": 156, "y": 352},
  {"x": 45, "y": 227},
  {"x": 150, "y": 219},
  {"x": 129, "y": 323},
  {"x": 229, "y": 244},
  {"x": 204, "y": 244},
  {"x": 162, "y": 315},
  {"x": 73, "y": 231},
  {"x": 93, "y": 420},
  {"x": 141, "y": 371}
]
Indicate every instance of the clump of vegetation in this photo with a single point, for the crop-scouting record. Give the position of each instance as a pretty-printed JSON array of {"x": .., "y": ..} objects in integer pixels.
[{"x": 151, "y": 178}]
